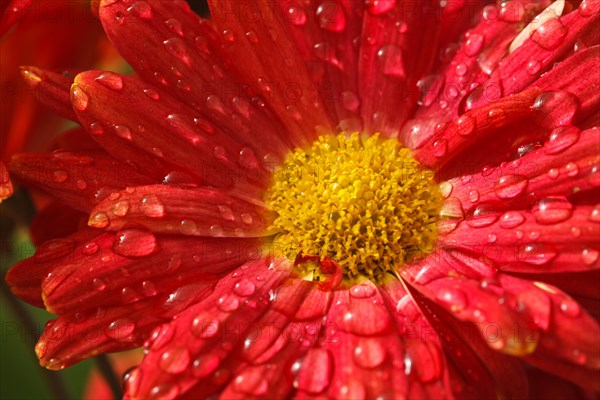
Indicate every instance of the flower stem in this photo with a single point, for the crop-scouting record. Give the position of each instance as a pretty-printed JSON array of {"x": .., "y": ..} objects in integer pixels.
[
  {"x": 109, "y": 375},
  {"x": 53, "y": 380}
]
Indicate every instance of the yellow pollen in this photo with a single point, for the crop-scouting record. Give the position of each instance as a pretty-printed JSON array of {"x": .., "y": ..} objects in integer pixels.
[{"x": 363, "y": 203}]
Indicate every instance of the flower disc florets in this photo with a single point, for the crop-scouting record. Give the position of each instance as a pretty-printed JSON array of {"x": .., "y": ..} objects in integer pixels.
[{"x": 363, "y": 203}]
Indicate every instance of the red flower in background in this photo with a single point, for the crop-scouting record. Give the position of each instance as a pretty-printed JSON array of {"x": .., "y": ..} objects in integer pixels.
[{"x": 345, "y": 273}]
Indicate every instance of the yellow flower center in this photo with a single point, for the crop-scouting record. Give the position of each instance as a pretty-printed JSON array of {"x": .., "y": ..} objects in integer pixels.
[{"x": 361, "y": 203}]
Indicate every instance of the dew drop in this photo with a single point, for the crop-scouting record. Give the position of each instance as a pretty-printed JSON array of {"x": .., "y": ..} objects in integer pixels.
[
  {"x": 537, "y": 253},
  {"x": 228, "y": 303},
  {"x": 473, "y": 44},
  {"x": 99, "y": 284},
  {"x": 331, "y": 17},
  {"x": 510, "y": 186},
  {"x": 177, "y": 48},
  {"x": 134, "y": 243},
  {"x": 453, "y": 297},
  {"x": 590, "y": 256},
  {"x": 244, "y": 288},
  {"x": 79, "y": 98},
  {"x": 378, "y": 7},
  {"x": 241, "y": 106},
  {"x": 152, "y": 207},
  {"x": 110, "y": 80},
  {"x": 362, "y": 291},
  {"x": 121, "y": 208},
  {"x": 350, "y": 101},
  {"x": 247, "y": 218},
  {"x": 152, "y": 94},
  {"x": 511, "y": 219},
  {"x": 369, "y": 353},
  {"x": 572, "y": 169},
  {"x": 252, "y": 382},
  {"x": 561, "y": 138},
  {"x": 98, "y": 220},
  {"x": 148, "y": 289},
  {"x": 295, "y": 15},
  {"x": 175, "y": 26},
  {"x": 440, "y": 148},
  {"x": 140, "y": 9},
  {"x": 356, "y": 315},
  {"x": 174, "y": 361},
  {"x": 205, "y": 365},
  {"x": 550, "y": 35},
  {"x": 123, "y": 132},
  {"x": 215, "y": 231},
  {"x": 120, "y": 329},
  {"x": 570, "y": 308},
  {"x": 391, "y": 60},
  {"x": 552, "y": 210}
]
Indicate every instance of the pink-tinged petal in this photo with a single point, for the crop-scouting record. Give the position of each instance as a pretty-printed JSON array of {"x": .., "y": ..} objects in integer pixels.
[
  {"x": 25, "y": 278},
  {"x": 6, "y": 187},
  {"x": 259, "y": 33},
  {"x": 566, "y": 164},
  {"x": 209, "y": 332},
  {"x": 70, "y": 339},
  {"x": 325, "y": 33},
  {"x": 553, "y": 41},
  {"x": 393, "y": 58},
  {"x": 12, "y": 12},
  {"x": 50, "y": 89},
  {"x": 133, "y": 264},
  {"x": 54, "y": 222},
  {"x": 443, "y": 94},
  {"x": 188, "y": 211},
  {"x": 182, "y": 54},
  {"x": 79, "y": 179},
  {"x": 166, "y": 135},
  {"x": 554, "y": 237}
]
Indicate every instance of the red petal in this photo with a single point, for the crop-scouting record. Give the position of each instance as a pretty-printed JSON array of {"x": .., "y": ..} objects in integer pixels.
[
  {"x": 79, "y": 179},
  {"x": 6, "y": 187},
  {"x": 164, "y": 129},
  {"x": 55, "y": 221},
  {"x": 393, "y": 58},
  {"x": 182, "y": 55},
  {"x": 133, "y": 264},
  {"x": 208, "y": 332},
  {"x": 555, "y": 237},
  {"x": 479, "y": 53},
  {"x": 566, "y": 164},
  {"x": 273, "y": 65},
  {"x": 325, "y": 34},
  {"x": 189, "y": 211},
  {"x": 12, "y": 12},
  {"x": 25, "y": 278},
  {"x": 50, "y": 89}
]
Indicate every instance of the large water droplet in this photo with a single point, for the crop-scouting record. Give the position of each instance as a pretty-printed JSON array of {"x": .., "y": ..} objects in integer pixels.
[
  {"x": 511, "y": 219},
  {"x": 378, "y": 7},
  {"x": 121, "y": 208},
  {"x": 561, "y": 138},
  {"x": 120, "y": 329},
  {"x": 244, "y": 288},
  {"x": 296, "y": 15},
  {"x": 331, "y": 16},
  {"x": 152, "y": 207},
  {"x": 590, "y": 256},
  {"x": 552, "y": 210},
  {"x": 537, "y": 253},
  {"x": 79, "y": 98},
  {"x": 123, "y": 132},
  {"x": 177, "y": 48},
  {"x": 391, "y": 60},
  {"x": 555, "y": 108},
  {"x": 252, "y": 382},
  {"x": 134, "y": 243},
  {"x": 205, "y": 365},
  {"x": 110, "y": 80},
  {"x": 228, "y": 303},
  {"x": 174, "y": 361},
  {"x": 175, "y": 26},
  {"x": 550, "y": 35},
  {"x": 365, "y": 320},
  {"x": 140, "y": 9},
  {"x": 473, "y": 44},
  {"x": 98, "y": 220},
  {"x": 453, "y": 297},
  {"x": 369, "y": 353},
  {"x": 509, "y": 186}
]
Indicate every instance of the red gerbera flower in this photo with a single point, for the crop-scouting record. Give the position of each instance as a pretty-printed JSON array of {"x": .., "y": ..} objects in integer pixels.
[{"x": 257, "y": 224}]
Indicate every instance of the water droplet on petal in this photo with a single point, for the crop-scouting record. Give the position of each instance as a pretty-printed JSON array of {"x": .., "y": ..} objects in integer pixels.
[
  {"x": 561, "y": 138},
  {"x": 121, "y": 208},
  {"x": 378, "y": 7},
  {"x": 509, "y": 186},
  {"x": 164, "y": 391},
  {"x": 296, "y": 15},
  {"x": 552, "y": 210},
  {"x": 134, "y": 243},
  {"x": 120, "y": 329},
  {"x": 350, "y": 101},
  {"x": 110, "y": 80},
  {"x": 473, "y": 44},
  {"x": 123, "y": 132},
  {"x": 369, "y": 353},
  {"x": 205, "y": 365},
  {"x": 177, "y": 48},
  {"x": 570, "y": 308},
  {"x": 228, "y": 303},
  {"x": 392, "y": 61},
  {"x": 79, "y": 98},
  {"x": 140, "y": 9},
  {"x": 590, "y": 256},
  {"x": 362, "y": 290},
  {"x": 244, "y": 288},
  {"x": 511, "y": 219},
  {"x": 98, "y": 220},
  {"x": 331, "y": 16},
  {"x": 175, "y": 361},
  {"x": 537, "y": 253},
  {"x": 550, "y": 35},
  {"x": 251, "y": 381},
  {"x": 152, "y": 94},
  {"x": 152, "y": 207},
  {"x": 175, "y": 26},
  {"x": 453, "y": 297}
]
